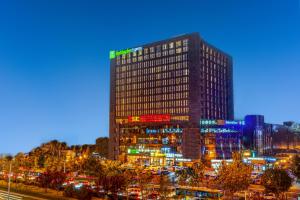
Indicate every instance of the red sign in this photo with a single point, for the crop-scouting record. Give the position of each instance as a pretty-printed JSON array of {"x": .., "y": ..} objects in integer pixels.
[{"x": 150, "y": 118}]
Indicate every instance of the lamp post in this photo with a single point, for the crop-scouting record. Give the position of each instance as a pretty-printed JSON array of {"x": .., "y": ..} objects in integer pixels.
[{"x": 9, "y": 177}]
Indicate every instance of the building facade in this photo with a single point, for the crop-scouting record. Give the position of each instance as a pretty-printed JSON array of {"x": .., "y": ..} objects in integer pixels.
[
  {"x": 258, "y": 135},
  {"x": 221, "y": 138},
  {"x": 158, "y": 94},
  {"x": 286, "y": 136}
]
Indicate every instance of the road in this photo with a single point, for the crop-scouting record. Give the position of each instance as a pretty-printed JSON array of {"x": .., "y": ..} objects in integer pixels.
[
  {"x": 4, "y": 196},
  {"x": 292, "y": 193},
  {"x": 17, "y": 196}
]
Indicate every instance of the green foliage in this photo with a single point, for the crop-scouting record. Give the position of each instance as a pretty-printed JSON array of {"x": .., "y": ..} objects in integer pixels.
[
  {"x": 44, "y": 180},
  {"x": 234, "y": 177},
  {"x": 41, "y": 161},
  {"x": 192, "y": 175},
  {"x": 295, "y": 167},
  {"x": 51, "y": 179},
  {"x": 92, "y": 167},
  {"x": 276, "y": 181}
]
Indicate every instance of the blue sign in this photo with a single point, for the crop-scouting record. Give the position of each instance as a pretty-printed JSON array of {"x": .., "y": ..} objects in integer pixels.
[
  {"x": 164, "y": 130},
  {"x": 217, "y": 130}
]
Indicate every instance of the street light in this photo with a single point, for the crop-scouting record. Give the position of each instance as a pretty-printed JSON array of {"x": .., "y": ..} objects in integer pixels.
[{"x": 10, "y": 158}]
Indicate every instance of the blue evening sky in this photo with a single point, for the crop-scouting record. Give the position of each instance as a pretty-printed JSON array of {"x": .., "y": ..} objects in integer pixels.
[{"x": 54, "y": 65}]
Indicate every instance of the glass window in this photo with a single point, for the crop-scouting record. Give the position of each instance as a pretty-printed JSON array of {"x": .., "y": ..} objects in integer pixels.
[
  {"x": 178, "y": 43},
  {"x": 178, "y": 50},
  {"x": 140, "y": 52},
  {"x": 185, "y": 42},
  {"x": 164, "y": 46},
  {"x": 151, "y": 49}
]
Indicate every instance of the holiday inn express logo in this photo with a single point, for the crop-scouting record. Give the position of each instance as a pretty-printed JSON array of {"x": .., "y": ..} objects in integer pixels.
[{"x": 113, "y": 53}]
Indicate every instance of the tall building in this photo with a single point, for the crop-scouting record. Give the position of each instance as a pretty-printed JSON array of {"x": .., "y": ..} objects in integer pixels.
[{"x": 158, "y": 94}]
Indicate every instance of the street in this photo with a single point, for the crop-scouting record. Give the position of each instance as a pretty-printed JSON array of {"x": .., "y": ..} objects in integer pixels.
[{"x": 17, "y": 196}]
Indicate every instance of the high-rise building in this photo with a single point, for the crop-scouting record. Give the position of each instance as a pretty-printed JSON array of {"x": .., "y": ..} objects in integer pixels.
[{"x": 158, "y": 94}]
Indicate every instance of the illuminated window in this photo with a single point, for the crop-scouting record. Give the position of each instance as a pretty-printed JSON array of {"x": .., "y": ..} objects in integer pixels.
[
  {"x": 178, "y": 43},
  {"x": 151, "y": 49},
  {"x": 185, "y": 42},
  {"x": 164, "y": 46},
  {"x": 178, "y": 50}
]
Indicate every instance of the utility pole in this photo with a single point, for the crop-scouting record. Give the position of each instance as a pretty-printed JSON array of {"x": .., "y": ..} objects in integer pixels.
[{"x": 9, "y": 177}]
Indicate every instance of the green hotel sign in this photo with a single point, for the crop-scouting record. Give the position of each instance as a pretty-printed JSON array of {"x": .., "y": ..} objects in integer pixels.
[{"x": 113, "y": 53}]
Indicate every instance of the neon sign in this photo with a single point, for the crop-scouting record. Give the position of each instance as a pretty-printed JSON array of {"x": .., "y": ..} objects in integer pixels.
[
  {"x": 164, "y": 130},
  {"x": 113, "y": 53},
  {"x": 150, "y": 118},
  {"x": 217, "y": 130},
  {"x": 133, "y": 151},
  {"x": 174, "y": 155},
  {"x": 222, "y": 122}
]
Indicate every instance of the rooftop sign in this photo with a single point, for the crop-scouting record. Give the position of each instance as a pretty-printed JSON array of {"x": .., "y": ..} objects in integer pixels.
[{"x": 113, "y": 53}]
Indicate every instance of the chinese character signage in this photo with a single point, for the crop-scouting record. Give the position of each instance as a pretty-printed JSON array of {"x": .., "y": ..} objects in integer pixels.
[{"x": 150, "y": 118}]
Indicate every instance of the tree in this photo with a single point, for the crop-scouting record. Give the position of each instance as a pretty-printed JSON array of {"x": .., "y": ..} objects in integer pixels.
[
  {"x": 164, "y": 186},
  {"x": 276, "y": 181},
  {"x": 192, "y": 175},
  {"x": 182, "y": 176},
  {"x": 130, "y": 178},
  {"x": 44, "y": 180},
  {"x": 102, "y": 146},
  {"x": 92, "y": 167},
  {"x": 143, "y": 179},
  {"x": 295, "y": 167},
  {"x": 57, "y": 179},
  {"x": 197, "y": 174},
  {"x": 41, "y": 161},
  {"x": 234, "y": 177},
  {"x": 51, "y": 179}
]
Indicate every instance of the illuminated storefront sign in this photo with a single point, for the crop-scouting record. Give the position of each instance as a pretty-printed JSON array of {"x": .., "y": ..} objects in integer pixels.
[
  {"x": 218, "y": 130},
  {"x": 150, "y": 118},
  {"x": 174, "y": 155},
  {"x": 222, "y": 122},
  {"x": 183, "y": 160},
  {"x": 113, "y": 53},
  {"x": 133, "y": 151},
  {"x": 164, "y": 130}
]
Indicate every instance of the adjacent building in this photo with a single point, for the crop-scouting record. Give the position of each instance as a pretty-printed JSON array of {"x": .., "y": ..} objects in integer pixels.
[
  {"x": 258, "y": 135},
  {"x": 221, "y": 138},
  {"x": 286, "y": 136},
  {"x": 160, "y": 91}
]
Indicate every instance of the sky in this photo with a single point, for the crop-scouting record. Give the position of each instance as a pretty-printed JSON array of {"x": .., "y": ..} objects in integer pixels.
[{"x": 54, "y": 64}]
